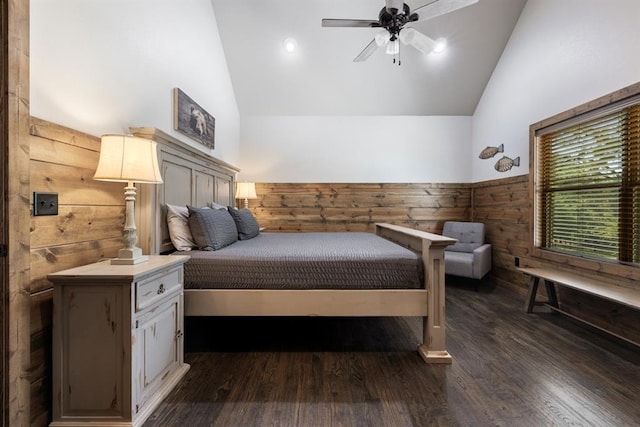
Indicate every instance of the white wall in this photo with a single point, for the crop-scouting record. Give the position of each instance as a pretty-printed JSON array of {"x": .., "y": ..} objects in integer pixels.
[
  {"x": 561, "y": 54},
  {"x": 355, "y": 149},
  {"x": 100, "y": 66}
]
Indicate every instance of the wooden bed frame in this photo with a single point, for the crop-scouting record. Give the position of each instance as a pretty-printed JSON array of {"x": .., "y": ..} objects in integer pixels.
[{"x": 211, "y": 180}]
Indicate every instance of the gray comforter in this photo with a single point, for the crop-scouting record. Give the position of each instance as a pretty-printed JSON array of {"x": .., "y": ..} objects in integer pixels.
[{"x": 306, "y": 261}]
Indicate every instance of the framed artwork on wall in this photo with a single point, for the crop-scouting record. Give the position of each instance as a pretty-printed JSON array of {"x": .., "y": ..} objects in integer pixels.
[{"x": 192, "y": 120}]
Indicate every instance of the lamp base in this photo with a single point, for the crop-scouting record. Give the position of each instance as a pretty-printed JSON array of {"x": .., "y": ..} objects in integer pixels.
[{"x": 129, "y": 256}]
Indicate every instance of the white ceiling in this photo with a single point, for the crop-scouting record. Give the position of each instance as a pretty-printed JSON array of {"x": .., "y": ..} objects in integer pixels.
[{"x": 320, "y": 77}]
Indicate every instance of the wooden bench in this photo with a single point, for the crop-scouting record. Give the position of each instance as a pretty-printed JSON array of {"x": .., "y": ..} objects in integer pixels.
[
  {"x": 622, "y": 295},
  {"x": 629, "y": 297}
]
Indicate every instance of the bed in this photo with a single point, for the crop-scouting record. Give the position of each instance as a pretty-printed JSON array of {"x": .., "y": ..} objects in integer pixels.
[{"x": 194, "y": 178}]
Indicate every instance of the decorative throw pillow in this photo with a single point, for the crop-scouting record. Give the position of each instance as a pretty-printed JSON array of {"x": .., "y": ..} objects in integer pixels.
[
  {"x": 212, "y": 229},
  {"x": 246, "y": 223},
  {"x": 179, "y": 231}
]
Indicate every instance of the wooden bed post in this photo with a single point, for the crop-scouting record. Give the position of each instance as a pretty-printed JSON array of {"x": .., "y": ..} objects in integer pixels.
[
  {"x": 433, "y": 349},
  {"x": 431, "y": 246}
]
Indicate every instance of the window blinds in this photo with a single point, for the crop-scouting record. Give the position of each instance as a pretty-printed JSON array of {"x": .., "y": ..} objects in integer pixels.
[{"x": 590, "y": 186}]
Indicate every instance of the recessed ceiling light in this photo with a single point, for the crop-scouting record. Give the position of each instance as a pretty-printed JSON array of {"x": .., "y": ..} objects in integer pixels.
[
  {"x": 440, "y": 46},
  {"x": 290, "y": 44}
]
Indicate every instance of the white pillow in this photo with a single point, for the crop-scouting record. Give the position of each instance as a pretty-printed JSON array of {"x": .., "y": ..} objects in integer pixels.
[
  {"x": 214, "y": 205},
  {"x": 179, "y": 231}
]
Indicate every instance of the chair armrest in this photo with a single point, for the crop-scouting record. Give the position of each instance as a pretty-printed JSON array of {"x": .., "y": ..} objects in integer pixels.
[
  {"x": 482, "y": 249},
  {"x": 482, "y": 260}
]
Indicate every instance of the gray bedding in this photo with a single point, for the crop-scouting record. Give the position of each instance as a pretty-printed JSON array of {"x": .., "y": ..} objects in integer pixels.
[{"x": 306, "y": 261}]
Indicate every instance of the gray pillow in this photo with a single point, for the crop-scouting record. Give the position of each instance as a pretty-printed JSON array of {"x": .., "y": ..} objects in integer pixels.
[
  {"x": 246, "y": 223},
  {"x": 212, "y": 229}
]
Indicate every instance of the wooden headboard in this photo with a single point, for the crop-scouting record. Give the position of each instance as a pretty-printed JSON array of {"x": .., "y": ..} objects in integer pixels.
[{"x": 191, "y": 177}]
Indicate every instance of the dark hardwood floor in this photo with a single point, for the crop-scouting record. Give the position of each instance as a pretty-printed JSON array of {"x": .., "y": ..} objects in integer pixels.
[{"x": 509, "y": 369}]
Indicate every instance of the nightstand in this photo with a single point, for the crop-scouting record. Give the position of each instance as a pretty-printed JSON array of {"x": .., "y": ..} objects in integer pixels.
[{"x": 117, "y": 340}]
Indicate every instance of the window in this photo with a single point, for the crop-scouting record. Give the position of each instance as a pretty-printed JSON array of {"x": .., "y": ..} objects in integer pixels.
[{"x": 588, "y": 184}]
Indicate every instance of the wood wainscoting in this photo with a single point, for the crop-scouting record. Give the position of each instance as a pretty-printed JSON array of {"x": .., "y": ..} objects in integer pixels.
[
  {"x": 358, "y": 206},
  {"x": 88, "y": 227},
  {"x": 503, "y": 206}
]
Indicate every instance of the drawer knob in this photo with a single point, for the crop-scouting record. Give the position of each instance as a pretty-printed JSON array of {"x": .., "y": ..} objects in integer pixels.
[{"x": 161, "y": 289}]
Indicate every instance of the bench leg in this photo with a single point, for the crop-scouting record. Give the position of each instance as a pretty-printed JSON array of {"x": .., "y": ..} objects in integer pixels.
[
  {"x": 551, "y": 292},
  {"x": 531, "y": 296}
]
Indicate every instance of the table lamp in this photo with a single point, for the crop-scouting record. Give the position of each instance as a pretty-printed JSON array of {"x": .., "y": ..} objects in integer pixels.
[
  {"x": 129, "y": 159},
  {"x": 246, "y": 191}
]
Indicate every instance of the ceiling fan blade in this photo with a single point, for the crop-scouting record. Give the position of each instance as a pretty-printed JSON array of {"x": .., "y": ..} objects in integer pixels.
[
  {"x": 366, "y": 52},
  {"x": 440, "y": 7},
  {"x": 358, "y": 23}
]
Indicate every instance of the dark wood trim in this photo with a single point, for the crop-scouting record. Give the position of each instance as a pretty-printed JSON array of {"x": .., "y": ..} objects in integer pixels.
[{"x": 603, "y": 101}]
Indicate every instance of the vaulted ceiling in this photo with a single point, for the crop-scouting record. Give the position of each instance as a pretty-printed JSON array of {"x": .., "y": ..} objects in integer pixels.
[{"x": 320, "y": 77}]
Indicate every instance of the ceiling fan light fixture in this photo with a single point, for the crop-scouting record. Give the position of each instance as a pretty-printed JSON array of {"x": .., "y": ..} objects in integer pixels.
[
  {"x": 418, "y": 40},
  {"x": 396, "y": 5},
  {"x": 440, "y": 46},
  {"x": 393, "y": 17},
  {"x": 393, "y": 48},
  {"x": 382, "y": 38},
  {"x": 290, "y": 44}
]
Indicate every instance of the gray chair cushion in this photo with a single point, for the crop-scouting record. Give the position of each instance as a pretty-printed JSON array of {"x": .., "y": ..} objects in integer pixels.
[
  {"x": 463, "y": 247},
  {"x": 464, "y": 232}
]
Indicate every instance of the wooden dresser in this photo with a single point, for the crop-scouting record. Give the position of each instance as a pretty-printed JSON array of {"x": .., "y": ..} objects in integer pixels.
[{"x": 117, "y": 340}]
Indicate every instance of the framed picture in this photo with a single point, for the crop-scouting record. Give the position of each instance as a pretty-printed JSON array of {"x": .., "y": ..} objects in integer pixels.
[{"x": 193, "y": 120}]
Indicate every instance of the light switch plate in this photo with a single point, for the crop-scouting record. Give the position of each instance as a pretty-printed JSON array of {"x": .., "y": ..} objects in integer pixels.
[{"x": 45, "y": 204}]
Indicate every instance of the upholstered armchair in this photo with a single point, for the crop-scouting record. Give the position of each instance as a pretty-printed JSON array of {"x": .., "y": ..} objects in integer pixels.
[{"x": 470, "y": 256}]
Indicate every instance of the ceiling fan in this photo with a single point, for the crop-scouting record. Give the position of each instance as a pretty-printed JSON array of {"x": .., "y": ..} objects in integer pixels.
[{"x": 393, "y": 18}]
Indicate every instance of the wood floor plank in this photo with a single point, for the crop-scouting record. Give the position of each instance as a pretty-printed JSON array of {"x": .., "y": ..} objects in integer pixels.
[{"x": 509, "y": 368}]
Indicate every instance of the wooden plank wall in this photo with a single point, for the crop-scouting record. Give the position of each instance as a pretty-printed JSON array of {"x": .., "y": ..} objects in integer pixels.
[
  {"x": 503, "y": 206},
  {"x": 357, "y": 207},
  {"x": 14, "y": 144},
  {"x": 88, "y": 227}
]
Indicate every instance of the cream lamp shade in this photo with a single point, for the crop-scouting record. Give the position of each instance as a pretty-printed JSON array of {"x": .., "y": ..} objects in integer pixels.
[
  {"x": 246, "y": 191},
  {"x": 129, "y": 159}
]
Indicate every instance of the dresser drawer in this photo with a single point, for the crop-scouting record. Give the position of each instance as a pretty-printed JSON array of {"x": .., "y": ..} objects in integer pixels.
[{"x": 157, "y": 287}]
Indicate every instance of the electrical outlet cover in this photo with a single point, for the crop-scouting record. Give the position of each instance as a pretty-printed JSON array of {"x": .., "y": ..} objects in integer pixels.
[{"x": 45, "y": 204}]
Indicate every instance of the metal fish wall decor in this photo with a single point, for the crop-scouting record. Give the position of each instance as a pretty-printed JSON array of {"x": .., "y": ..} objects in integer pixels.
[
  {"x": 505, "y": 163},
  {"x": 489, "y": 152}
]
